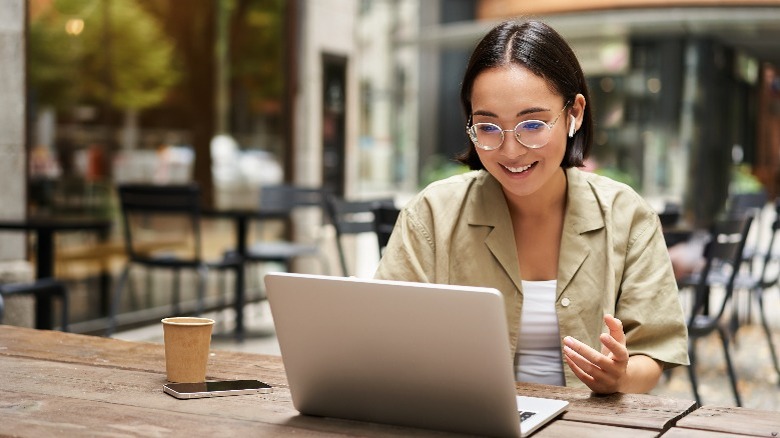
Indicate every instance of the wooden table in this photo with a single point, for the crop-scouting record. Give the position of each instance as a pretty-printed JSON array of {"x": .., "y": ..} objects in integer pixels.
[
  {"x": 715, "y": 421},
  {"x": 61, "y": 384},
  {"x": 45, "y": 228}
]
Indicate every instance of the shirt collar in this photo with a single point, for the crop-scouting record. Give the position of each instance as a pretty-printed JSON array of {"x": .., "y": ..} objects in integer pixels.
[
  {"x": 490, "y": 208},
  {"x": 583, "y": 209}
]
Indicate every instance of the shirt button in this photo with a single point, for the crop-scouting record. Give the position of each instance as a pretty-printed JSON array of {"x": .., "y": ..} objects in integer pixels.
[{"x": 565, "y": 302}]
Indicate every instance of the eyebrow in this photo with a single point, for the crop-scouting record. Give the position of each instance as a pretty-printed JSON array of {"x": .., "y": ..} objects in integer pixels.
[{"x": 526, "y": 111}]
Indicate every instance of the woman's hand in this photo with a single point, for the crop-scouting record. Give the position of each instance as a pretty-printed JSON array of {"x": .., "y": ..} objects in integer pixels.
[{"x": 611, "y": 370}]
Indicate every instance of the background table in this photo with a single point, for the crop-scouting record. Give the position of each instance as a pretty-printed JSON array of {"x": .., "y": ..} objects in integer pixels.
[
  {"x": 45, "y": 228},
  {"x": 241, "y": 219},
  {"x": 62, "y": 384}
]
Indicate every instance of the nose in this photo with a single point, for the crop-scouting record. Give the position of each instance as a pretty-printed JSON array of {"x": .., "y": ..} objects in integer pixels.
[{"x": 512, "y": 148}]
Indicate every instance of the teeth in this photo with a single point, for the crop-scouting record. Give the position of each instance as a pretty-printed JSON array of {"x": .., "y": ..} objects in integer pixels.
[{"x": 518, "y": 169}]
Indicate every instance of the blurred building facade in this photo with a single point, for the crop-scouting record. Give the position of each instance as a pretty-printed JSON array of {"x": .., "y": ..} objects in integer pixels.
[
  {"x": 685, "y": 92},
  {"x": 361, "y": 96}
]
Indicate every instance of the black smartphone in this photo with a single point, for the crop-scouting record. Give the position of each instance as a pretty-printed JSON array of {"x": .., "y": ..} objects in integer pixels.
[{"x": 216, "y": 388}]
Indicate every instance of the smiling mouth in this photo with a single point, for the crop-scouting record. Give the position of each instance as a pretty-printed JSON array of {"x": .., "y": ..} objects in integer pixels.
[{"x": 519, "y": 169}]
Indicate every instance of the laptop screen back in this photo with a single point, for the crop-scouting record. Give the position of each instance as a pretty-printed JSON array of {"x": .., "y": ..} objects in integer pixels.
[{"x": 413, "y": 354}]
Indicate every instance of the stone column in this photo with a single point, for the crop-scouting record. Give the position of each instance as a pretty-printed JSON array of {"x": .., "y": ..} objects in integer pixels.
[
  {"x": 12, "y": 123},
  {"x": 13, "y": 177}
]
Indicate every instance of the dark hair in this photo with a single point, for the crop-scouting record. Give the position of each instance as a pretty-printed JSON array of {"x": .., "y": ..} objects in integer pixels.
[{"x": 539, "y": 48}]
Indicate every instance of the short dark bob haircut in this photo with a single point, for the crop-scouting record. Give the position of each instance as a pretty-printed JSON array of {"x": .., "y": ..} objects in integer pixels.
[{"x": 539, "y": 48}]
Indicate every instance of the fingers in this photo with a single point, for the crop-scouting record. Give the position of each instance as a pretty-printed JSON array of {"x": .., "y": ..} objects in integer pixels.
[
  {"x": 582, "y": 359},
  {"x": 611, "y": 347},
  {"x": 614, "y": 342},
  {"x": 587, "y": 360},
  {"x": 581, "y": 352},
  {"x": 600, "y": 372},
  {"x": 615, "y": 327},
  {"x": 586, "y": 378}
]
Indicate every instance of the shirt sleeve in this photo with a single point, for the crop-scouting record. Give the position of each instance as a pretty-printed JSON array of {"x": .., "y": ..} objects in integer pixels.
[
  {"x": 409, "y": 255},
  {"x": 649, "y": 303}
]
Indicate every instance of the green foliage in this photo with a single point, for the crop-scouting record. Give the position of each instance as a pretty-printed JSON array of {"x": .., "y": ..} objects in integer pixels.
[
  {"x": 743, "y": 181},
  {"x": 618, "y": 175},
  {"x": 257, "y": 50},
  {"x": 127, "y": 58},
  {"x": 52, "y": 70},
  {"x": 438, "y": 168},
  {"x": 142, "y": 67}
]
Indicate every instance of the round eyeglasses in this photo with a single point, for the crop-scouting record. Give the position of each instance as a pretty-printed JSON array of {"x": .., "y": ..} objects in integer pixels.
[{"x": 532, "y": 134}]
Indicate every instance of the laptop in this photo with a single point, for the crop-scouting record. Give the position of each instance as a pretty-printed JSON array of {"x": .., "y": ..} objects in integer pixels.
[{"x": 411, "y": 354}]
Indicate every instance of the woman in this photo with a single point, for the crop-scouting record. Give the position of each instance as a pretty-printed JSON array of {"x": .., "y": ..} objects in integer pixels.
[{"x": 566, "y": 248}]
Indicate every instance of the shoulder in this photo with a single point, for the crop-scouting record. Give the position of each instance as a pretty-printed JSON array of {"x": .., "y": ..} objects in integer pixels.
[
  {"x": 606, "y": 187},
  {"x": 447, "y": 202},
  {"x": 621, "y": 209},
  {"x": 610, "y": 194}
]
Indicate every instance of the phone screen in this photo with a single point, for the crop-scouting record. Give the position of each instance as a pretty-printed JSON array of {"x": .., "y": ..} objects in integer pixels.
[{"x": 216, "y": 388}]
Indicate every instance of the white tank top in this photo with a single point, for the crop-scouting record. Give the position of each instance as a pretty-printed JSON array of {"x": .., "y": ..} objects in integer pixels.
[{"x": 538, "y": 356}]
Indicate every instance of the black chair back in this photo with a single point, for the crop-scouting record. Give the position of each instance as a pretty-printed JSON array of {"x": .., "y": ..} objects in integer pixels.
[
  {"x": 162, "y": 230},
  {"x": 153, "y": 212},
  {"x": 385, "y": 218},
  {"x": 723, "y": 260},
  {"x": 284, "y": 198},
  {"x": 723, "y": 257},
  {"x": 352, "y": 217},
  {"x": 740, "y": 204},
  {"x": 770, "y": 277}
]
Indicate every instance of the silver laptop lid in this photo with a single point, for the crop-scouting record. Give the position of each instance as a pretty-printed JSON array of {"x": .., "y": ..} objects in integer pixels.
[{"x": 414, "y": 354}]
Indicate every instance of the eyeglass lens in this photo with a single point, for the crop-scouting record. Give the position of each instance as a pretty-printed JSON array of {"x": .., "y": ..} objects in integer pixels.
[{"x": 531, "y": 133}]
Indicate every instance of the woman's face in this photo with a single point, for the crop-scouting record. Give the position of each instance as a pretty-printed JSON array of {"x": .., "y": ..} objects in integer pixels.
[{"x": 506, "y": 96}]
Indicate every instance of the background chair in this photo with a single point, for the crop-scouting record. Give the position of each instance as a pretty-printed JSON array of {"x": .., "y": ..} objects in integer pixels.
[
  {"x": 38, "y": 288},
  {"x": 670, "y": 215},
  {"x": 723, "y": 260},
  {"x": 351, "y": 218},
  {"x": 739, "y": 205},
  {"x": 385, "y": 217},
  {"x": 283, "y": 201},
  {"x": 162, "y": 231},
  {"x": 768, "y": 279}
]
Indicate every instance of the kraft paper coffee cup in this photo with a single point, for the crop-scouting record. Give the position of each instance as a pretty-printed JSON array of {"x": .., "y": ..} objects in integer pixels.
[{"x": 187, "y": 342}]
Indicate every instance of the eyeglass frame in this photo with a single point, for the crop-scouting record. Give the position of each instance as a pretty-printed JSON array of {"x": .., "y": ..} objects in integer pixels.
[{"x": 549, "y": 126}]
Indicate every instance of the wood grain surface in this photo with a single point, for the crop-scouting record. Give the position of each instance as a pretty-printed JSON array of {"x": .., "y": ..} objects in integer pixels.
[{"x": 60, "y": 384}]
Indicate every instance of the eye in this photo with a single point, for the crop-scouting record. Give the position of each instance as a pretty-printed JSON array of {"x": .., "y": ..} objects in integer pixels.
[
  {"x": 487, "y": 128},
  {"x": 532, "y": 126}
]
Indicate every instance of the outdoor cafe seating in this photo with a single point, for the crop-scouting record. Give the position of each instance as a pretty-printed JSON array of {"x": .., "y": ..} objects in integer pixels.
[
  {"x": 353, "y": 217},
  {"x": 769, "y": 279},
  {"x": 385, "y": 218},
  {"x": 165, "y": 213},
  {"x": 43, "y": 288},
  {"x": 723, "y": 258},
  {"x": 279, "y": 202},
  {"x": 737, "y": 275}
]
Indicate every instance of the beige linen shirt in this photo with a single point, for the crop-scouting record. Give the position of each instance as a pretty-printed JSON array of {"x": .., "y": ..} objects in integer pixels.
[{"x": 613, "y": 259}]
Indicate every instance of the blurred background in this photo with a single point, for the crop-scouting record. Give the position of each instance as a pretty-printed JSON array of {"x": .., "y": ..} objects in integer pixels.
[
  {"x": 361, "y": 95},
  {"x": 358, "y": 97}
]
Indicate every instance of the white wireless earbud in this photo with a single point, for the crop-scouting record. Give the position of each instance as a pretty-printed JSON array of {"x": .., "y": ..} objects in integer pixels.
[{"x": 571, "y": 126}]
